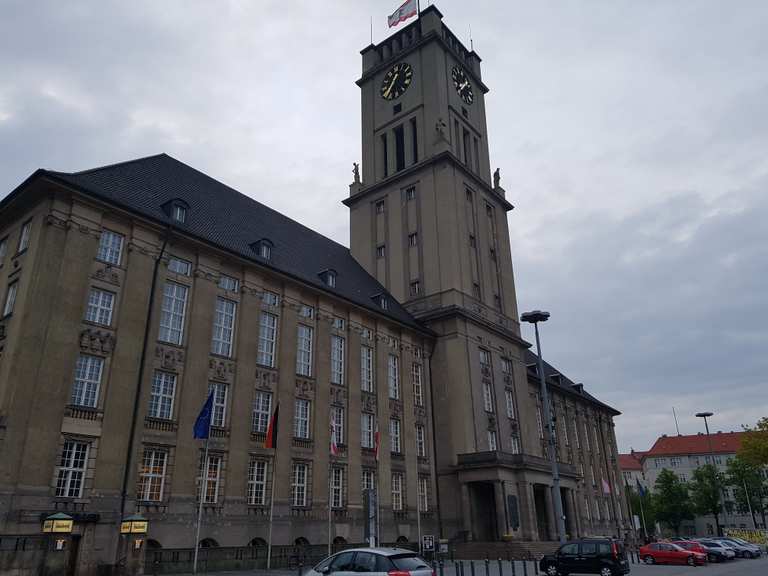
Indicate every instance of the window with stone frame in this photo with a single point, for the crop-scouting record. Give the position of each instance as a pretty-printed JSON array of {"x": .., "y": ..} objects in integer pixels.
[
  {"x": 393, "y": 376},
  {"x": 366, "y": 369},
  {"x": 509, "y": 398},
  {"x": 3, "y": 250},
  {"x": 10, "y": 298},
  {"x": 304, "y": 351},
  {"x": 258, "y": 469},
  {"x": 220, "y": 392},
  {"x": 300, "y": 485},
  {"x": 492, "y": 441},
  {"x": 172, "y": 313},
  {"x": 223, "y": 327},
  {"x": 99, "y": 308},
  {"x": 488, "y": 397},
  {"x": 417, "y": 382},
  {"x": 152, "y": 475},
  {"x": 179, "y": 266},
  {"x": 337, "y": 359},
  {"x": 367, "y": 429},
  {"x": 338, "y": 420},
  {"x": 514, "y": 444},
  {"x": 210, "y": 473},
  {"x": 424, "y": 494},
  {"x": 110, "y": 247},
  {"x": 369, "y": 479},
  {"x": 398, "y": 487},
  {"x": 262, "y": 411},
  {"x": 267, "y": 339},
  {"x": 85, "y": 390},
  {"x": 539, "y": 421},
  {"x": 421, "y": 441},
  {"x": 337, "y": 479},
  {"x": 70, "y": 473},
  {"x": 270, "y": 298},
  {"x": 301, "y": 419},
  {"x": 161, "y": 395},
  {"x": 395, "y": 442},
  {"x": 229, "y": 283}
]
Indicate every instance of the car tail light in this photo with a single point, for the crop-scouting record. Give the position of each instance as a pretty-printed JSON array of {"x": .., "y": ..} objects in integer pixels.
[{"x": 399, "y": 573}]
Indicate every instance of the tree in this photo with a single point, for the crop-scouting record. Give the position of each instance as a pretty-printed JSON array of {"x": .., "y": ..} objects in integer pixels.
[
  {"x": 646, "y": 510},
  {"x": 754, "y": 446},
  {"x": 671, "y": 502},
  {"x": 706, "y": 487},
  {"x": 749, "y": 486}
]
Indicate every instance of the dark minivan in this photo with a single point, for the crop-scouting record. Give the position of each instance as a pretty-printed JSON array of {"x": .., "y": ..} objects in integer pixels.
[{"x": 604, "y": 556}]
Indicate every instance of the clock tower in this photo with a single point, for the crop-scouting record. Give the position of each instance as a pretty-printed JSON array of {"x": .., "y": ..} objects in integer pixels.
[{"x": 429, "y": 222}]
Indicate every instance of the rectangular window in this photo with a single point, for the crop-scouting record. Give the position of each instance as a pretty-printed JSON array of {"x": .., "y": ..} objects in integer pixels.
[
  {"x": 337, "y": 418},
  {"x": 399, "y": 133},
  {"x": 477, "y": 154},
  {"x": 367, "y": 430},
  {"x": 487, "y": 397},
  {"x": 485, "y": 359},
  {"x": 71, "y": 470},
  {"x": 306, "y": 312},
  {"x": 180, "y": 266},
  {"x": 262, "y": 411},
  {"x": 211, "y": 476},
  {"x": 24, "y": 236},
  {"x": 380, "y": 206},
  {"x": 393, "y": 376},
  {"x": 172, "y": 313},
  {"x": 506, "y": 366},
  {"x": 381, "y": 251},
  {"x": 395, "y": 444},
  {"x": 219, "y": 412},
  {"x": 510, "y": 402},
  {"x": 179, "y": 214},
  {"x": 3, "y": 250},
  {"x": 304, "y": 351},
  {"x": 410, "y": 193},
  {"x": 423, "y": 493},
  {"x": 301, "y": 419},
  {"x": 586, "y": 509},
  {"x": 366, "y": 368},
  {"x": 337, "y": 487},
  {"x": 514, "y": 444},
  {"x": 366, "y": 334},
  {"x": 110, "y": 247},
  {"x": 467, "y": 149},
  {"x": 162, "y": 394},
  {"x": 229, "y": 283},
  {"x": 418, "y": 388},
  {"x": 415, "y": 288},
  {"x": 421, "y": 442},
  {"x": 539, "y": 421},
  {"x": 10, "y": 298},
  {"x": 384, "y": 155},
  {"x": 152, "y": 475},
  {"x": 257, "y": 482},
  {"x": 413, "y": 239},
  {"x": 267, "y": 338},
  {"x": 299, "y": 485},
  {"x": 270, "y": 298},
  {"x": 223, "y": 327},
  {"x": 99, "y": 310},
  {"x": 414, "y": 141},
  {"x": 565, "y": 432},
  {"x": 338, "y": 323},
  {"x": 369, "y": 479},
  {"x": 397, "y": 491},
  {"x": 597, "y": 441},
  {"x": 492, "y": 444},
  {"x": 85, "y": 391},
  {"x": 576, "y": 434},
  {"x": 586, "y": 437},
  {"x": 337, "y": 360}
]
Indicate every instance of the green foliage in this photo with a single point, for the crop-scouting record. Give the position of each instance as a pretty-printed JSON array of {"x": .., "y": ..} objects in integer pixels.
[
  {"x": 754, "y": 446},
  {"x": 671, "y": 502},
  {"x": 742, "y": 473},
  {"x": 646, "y": 509},
  {"x": 706, "y": 488}
]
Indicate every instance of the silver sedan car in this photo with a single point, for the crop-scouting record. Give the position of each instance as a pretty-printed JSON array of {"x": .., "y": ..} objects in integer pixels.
[{"x": 374, "y": 561}]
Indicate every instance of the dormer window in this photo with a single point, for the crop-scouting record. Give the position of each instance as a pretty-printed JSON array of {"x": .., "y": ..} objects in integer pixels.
[
  {"x": 179, "y": 213},
  {"x": 263, "y": 249},
  {"x": 329, "y": 278},
  {"x": 382, "y": 301},
  {"x": 177, "y": 210}
]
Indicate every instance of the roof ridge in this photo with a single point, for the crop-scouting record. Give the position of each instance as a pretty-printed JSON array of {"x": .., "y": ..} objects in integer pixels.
[{"x": 107, "y": 166}]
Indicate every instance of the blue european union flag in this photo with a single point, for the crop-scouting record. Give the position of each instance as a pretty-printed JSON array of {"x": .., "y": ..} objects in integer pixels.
[
  {"x": 203, "y": 422},
  {"x": 640, "y": 489}
]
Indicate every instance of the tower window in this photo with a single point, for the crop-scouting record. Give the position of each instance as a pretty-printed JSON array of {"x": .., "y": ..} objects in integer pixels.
[
  {"x": 467, "y": 151},
  {"x": 472, "y": 240},
  {"x": 410, "y": 193},
  {"x": 415, "y": 288},
  {"x": 413, "y": 239},
  {"x": 414, "y": 141},
  {"x": 383, "y": 303},
  {"x": 476, "y": 290},
  {"x": 399, "y": 147},
  {"x": 456, "y": 136},
  {"x": 381, "y": 251},
  {"x": 493, "y": 253},
  {"x": 380, "y": 207},
  {"x": 469, "y": 195},
  {"x": 385, "y": 155},
  {"x": 477, "y": 155},
  {"x": 396, "y": 109}
]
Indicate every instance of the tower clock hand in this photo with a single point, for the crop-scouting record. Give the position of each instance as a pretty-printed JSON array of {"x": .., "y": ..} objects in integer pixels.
[{"x": 392, "y": 84}]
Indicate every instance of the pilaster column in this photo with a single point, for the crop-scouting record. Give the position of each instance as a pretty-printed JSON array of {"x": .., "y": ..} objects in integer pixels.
[
  {"x": 501, "y": 509},
  {"x": 528, "y": 527},
  {"x": 466, "y": 509},
  {"x": 551, "y": 528}
]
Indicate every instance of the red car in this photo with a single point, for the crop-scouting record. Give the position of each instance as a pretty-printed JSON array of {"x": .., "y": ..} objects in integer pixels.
[{"x": 669, "y": 553}]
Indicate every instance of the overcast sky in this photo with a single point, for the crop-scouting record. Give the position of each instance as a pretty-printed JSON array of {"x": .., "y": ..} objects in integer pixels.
[{"x": 632, "y": 139}]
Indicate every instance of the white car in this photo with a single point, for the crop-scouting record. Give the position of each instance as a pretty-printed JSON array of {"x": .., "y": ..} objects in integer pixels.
[{"x": 374, "y": 561}]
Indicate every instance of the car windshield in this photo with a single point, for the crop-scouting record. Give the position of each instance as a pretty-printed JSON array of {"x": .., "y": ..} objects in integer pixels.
[{"x": 408, "y": 562}]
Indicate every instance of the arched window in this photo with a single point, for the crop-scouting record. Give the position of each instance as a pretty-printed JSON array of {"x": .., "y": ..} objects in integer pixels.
[
  {"x": 257, "y": 542},
  {"x": 402, "y": 540},
  {"x": 153, "y": 544},
  {"x": 208, "y": 543},
  {"x": 301, "y": 541}
]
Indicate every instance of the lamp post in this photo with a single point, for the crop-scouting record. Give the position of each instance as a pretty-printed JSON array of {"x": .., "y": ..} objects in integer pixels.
[
  {"x": 706, "y": 415},
  {"x": 534, "y": 318}
]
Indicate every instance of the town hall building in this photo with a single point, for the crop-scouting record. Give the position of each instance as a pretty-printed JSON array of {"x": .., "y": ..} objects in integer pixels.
[{"x": 133, "y": 291}]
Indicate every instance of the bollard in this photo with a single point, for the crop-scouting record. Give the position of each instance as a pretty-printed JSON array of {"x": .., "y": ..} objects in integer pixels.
[
  {"x": 472, "y": 567},
  {"x": 301, "y": 568},
  {"x": 487, "y": 571},
  {"x": 513, "y": 568},
  {"x": 525, "y": 567},
  {"x": 461, "y": 567},
  {"x": 501, "y": 570},
  {"x": 442, "y": 570}
]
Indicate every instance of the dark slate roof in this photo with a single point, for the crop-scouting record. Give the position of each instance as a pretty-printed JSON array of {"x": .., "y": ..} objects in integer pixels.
[
  {"x": 563, "y": 383},
  {"x": 230, "y": 220}
]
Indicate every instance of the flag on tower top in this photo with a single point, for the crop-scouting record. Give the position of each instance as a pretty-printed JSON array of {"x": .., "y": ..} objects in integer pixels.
[{"x": 409, "y": 8}]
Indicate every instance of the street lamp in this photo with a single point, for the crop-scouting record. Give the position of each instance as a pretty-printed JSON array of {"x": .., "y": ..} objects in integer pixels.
[
  {"x": 534, "y": 318},
  {"x": 706, "y": 415}
]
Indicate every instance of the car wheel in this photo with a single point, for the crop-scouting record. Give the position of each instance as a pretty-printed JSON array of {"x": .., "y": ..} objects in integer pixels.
[
  {"x": 552, "y": 570},
  {"x": 649, "y": 560},
  {"x": 691, "y": 561},
  {"x": 711, "y": 558},
  {"x": 606, "y": 571}
]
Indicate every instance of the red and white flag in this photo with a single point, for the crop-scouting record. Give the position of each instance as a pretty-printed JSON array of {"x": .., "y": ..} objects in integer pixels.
[
  {"x": 408, "y": 9},
  {"x": 334, "y": 445},
  {"x": 606, "y": 487}
]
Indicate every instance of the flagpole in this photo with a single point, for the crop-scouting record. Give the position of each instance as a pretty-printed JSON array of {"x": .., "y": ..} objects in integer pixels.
[
  {"x": 271, "y": 512},
  {"x": 642, "y": 515},
  {"x": 418, "y": 513},
  {"x": 330, "y": 499},
  {"x": 203, "y": 477}
]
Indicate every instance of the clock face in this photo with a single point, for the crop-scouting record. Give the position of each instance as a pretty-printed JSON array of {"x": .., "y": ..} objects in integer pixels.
[
  {"x": 463, "y": 87},
  {"x": 396, "y": 81}
]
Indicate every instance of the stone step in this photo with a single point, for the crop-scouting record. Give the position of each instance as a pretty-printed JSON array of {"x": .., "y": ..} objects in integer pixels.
[{"x": 512, "y": 549}]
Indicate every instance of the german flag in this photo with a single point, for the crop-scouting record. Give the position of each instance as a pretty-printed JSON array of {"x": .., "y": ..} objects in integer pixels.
[{"x": 271, "y": 441}]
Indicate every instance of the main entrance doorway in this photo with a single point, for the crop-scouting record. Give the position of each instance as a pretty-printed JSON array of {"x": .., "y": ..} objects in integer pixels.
[
  {"x": 483, "y": 506},
  {"x": 542, "y": 517}
]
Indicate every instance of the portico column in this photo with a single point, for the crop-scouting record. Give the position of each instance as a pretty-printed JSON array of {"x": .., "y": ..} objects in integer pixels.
[
  {"x": 501, "y": 506},
  {"x": 576, "y": 515},
  {"x": 551, "y": 531},
  {"x": 466, "y": 510},
  {"x": 528, "y": 526},
  {"x": 570, "y": 525}
]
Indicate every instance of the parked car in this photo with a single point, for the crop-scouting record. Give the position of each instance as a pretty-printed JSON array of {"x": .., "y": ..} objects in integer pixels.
[
  {"x": 671, "y": 553},
  {"x": 712, "y": 554},
  {"x": 729, "y": 552},
  {"x": 374, "y": 561},
  {"x": 747, "y": 549},
  {"x": 604, "y": 556}
]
